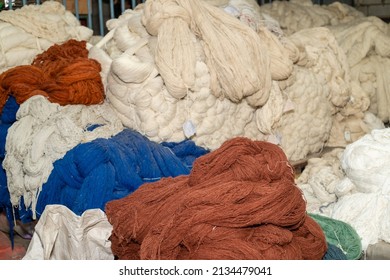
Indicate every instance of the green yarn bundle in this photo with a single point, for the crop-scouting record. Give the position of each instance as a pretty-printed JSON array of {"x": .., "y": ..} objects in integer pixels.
[{"x": 340, "y": 234}]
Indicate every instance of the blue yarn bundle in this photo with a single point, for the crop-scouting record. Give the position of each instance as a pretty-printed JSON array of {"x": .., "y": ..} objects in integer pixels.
[
  {"x": 334, "y": 253},
  {"x": 8, "y": 117},
  {"x": 93, "y": 173}
]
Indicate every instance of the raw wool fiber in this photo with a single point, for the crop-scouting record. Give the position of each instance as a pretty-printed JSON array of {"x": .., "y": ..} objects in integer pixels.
[
  {"x": 27, "y": 32},
  {"x": 43, "y": 133},
  {"x": 301, "y": 14},
  {"x": 341, "y": 235},
  {"x": 146, "y": 104},
  {"x": 102, "y": 170},
  {"x": 62, "y": 235},
  {"x": 239, "y": 202},
  {"x": 64, "y": 74}
]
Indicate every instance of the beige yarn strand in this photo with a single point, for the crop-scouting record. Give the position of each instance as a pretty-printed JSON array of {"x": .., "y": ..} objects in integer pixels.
[{"x": 237, "y": 58}]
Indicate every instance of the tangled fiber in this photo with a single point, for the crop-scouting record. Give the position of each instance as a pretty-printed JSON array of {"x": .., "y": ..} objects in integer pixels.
[
  {"x": 93, "y": 173},
  {"x": 64, "y": 74},
  {"x": 239, "y": 202},
  {"x": 341, "y": 235}
]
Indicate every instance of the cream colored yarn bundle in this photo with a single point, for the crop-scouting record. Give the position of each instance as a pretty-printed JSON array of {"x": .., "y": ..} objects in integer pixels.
[
  {"x": 43, "y": 133},
  {"x": 301, "y": 14},
  {"x": 18, "y": 47},
  {"x": 367, "y": 45},
  {"x": 140, "y": 89},
  {"x": 312, "y": 83},
  {"x": 32, "y": 29},
  {"x": 319, "y": 90},
  {"x": 50, "y": 20}
]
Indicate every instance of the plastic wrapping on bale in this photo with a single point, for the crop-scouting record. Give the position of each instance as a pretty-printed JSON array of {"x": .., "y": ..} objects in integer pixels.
[
  {"x": 60, "y": 234},
  {"x": 239, "y": 202}
]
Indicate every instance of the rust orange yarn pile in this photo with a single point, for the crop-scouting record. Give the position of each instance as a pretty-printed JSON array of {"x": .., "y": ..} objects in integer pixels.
[
  {"x": 239, "y": 202},
  {"x": 64, "y": 74}
]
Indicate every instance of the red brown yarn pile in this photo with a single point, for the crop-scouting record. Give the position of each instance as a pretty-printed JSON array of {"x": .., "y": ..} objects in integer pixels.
[
  {"x": 239, "y": 202},
  {"x": 64, "y": 74}
]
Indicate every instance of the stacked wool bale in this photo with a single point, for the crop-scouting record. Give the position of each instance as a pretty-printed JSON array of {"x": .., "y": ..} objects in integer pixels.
[
  {"x": 352, "y": 185},
  {"x": 177, "y": 83},
  {"x": 32, "y": 29}
]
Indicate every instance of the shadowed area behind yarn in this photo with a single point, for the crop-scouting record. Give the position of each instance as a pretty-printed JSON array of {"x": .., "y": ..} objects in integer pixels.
[
  {"x": 63, "y": 73},
  {"x": 93, "y": 173},
  {"x": 239, "y": 202}
]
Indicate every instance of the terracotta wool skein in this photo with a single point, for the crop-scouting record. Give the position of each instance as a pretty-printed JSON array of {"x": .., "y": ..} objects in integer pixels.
[
  {"x": 64, "y": 74},
  {"x": 239, "y": 202}
]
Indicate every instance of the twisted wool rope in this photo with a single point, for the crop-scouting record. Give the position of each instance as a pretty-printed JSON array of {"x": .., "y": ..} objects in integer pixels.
[
  {"x": 27, "y": 32},
  {"x": 63, "y": 74},
  {"x": 241, "y": 196},
  {"x": 43, "y": 133},
  {"x": 102, "y": 170}
]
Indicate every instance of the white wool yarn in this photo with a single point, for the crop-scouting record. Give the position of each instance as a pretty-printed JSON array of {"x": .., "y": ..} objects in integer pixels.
[
  {"x": 42, "y": 134},
  {"x": 143, "y": 101},
  {"x": 322, "y": 182},
  {"x": 297, "y": 15},
  {"x": 368, "y": 214},
  {"x": 365, "y": 162},
  {"x": 29, "y": 31},
  {"x": 62, "y": 235},
  {"x": 359, "y": 179},
  {"x": 18, "y": 47},
  {"x": 320, "y": 88},
  {"x": 50, "y": 20}
]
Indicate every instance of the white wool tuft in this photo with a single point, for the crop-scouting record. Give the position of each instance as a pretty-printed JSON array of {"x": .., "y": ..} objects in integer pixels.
[{"x": 42, "y": 134}]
